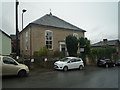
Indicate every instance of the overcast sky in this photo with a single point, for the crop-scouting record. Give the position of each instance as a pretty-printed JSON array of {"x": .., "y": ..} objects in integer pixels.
[{"x": 99, "y": 19}]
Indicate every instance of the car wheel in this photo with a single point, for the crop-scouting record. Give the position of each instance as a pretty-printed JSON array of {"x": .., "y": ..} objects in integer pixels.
[
  {"x": 65, "y": 68},
  {"x": 80, "y": 67},
  {"x": 22, "y": 73},
  {"x": 106, "y": 65}
]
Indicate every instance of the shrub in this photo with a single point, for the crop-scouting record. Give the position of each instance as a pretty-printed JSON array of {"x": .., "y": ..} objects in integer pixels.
[
  {"x": 103, "y": 52},
  {"x": 36, "y": 54},
  {"x": 41, "y": 53},
  {"x": 58, "y": 54}
]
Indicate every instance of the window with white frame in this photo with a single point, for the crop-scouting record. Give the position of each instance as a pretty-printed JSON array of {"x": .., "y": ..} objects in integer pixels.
[
  {"x": 27, "y": 40},
  {"x": 75, "y": 34},
  {"x": 49, "y": 39}
]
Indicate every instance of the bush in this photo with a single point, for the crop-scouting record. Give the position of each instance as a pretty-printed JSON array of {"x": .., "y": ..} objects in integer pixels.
[
  {"x": 36, "y": 54},
  {"x": 58, "y": 54},
  {"x": 103, "y": 52},
  {"x": 41, "y": 53},
  {"x": 40, "y": 63}
]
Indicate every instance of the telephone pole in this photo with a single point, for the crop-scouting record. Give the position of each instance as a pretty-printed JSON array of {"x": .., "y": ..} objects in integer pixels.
[{"x": 17, "y": 31}]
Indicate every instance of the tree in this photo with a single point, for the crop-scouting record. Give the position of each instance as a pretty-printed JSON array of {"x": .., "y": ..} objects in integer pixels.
[
  {"x": 84, "y": 43},
  {"x": 72, "y": 45}
]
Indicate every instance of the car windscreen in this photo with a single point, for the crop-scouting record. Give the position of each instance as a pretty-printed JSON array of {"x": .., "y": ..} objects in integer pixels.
[{"x": 65, "y": 59}]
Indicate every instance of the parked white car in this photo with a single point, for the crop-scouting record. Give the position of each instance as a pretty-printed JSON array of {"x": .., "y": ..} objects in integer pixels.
[
  {"x": 69, "y": 63},
  {"x": 10, "y": 66}
]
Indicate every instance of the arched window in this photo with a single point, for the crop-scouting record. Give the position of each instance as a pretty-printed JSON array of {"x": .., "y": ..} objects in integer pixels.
[{"x": 49, "y": 39}]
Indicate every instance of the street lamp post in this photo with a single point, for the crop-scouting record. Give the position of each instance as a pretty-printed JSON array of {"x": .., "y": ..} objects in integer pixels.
[
  {"x": 22, "y": 16},
  {"x": 17, "y": 31}
]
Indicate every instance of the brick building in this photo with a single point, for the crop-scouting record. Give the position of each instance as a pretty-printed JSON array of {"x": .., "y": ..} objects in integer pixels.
[{"x": 49, "y": 31}]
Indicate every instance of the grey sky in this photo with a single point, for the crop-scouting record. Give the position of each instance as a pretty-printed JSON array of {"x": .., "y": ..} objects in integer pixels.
[{"x": 99, "y": 19}]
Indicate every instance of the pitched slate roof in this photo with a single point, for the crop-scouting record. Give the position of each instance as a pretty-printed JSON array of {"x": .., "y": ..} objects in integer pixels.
[
  {"x": 110, "y": 43},
  {"x": 53, "y": 21},
  {"x": 5, "y": 34}
]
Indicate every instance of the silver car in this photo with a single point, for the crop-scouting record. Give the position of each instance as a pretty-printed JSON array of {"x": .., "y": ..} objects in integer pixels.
[{"x": 9, "y": 66}]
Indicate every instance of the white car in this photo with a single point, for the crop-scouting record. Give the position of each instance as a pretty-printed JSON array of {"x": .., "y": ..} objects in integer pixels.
[
  {"x": 69, "y": 63},
  {"x": 8, "y": 66}
]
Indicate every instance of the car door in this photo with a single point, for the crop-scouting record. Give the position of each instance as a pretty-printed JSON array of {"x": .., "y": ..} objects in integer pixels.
[
  {"x": 71, "y": 64},
  {"x": 9, "y": 66}
]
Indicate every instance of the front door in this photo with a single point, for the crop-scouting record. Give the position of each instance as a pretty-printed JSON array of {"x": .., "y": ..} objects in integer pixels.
[{"x": 63, "y": 49}]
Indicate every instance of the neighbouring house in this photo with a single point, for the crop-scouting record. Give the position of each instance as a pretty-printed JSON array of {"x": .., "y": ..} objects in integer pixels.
[
  {"x": 111, "y": 43},
  {"x": 49, "y": 31},
  {"x": 13, "y": 43},
  {"x": 5, "y": 43}
]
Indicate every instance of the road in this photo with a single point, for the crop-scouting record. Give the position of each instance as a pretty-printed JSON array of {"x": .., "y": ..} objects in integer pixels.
[{"x": 90, "y": 77}]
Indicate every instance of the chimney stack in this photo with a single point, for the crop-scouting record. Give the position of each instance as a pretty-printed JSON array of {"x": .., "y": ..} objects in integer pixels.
[{"x": 105, "y": 41}]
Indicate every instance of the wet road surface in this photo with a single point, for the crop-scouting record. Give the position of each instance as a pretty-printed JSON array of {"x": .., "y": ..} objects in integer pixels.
[{"x": 90, "y": 77}]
